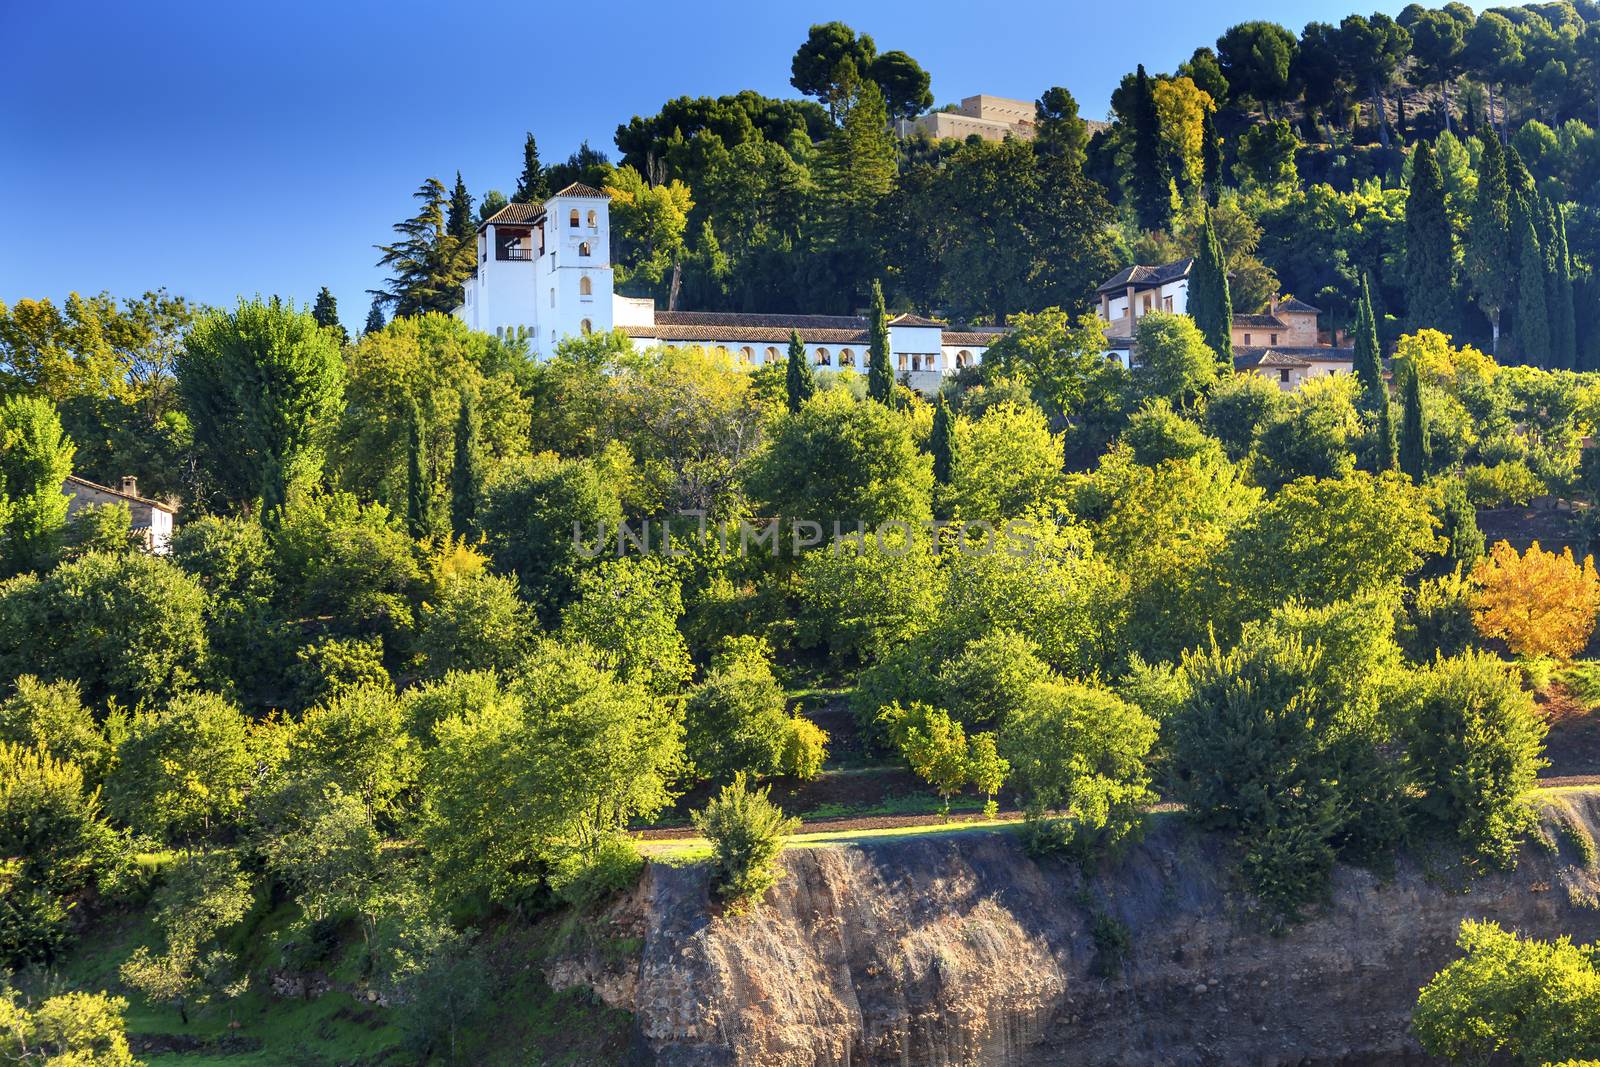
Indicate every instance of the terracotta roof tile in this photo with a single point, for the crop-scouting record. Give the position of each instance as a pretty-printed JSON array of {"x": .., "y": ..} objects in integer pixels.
[
  {"x": 1300, "y": 307},
  {"x": 1142, "y": 277},
  {"x": 515, "y": 215},
  {"x": 580, "y": 189},
  {"x": 1265, "y": 321}
]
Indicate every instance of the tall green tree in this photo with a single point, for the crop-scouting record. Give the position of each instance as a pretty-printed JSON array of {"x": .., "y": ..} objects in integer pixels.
[
  {"x": 1151, "y": 183},
  {"x": 1368, "y": 362},
  {"x": 1210, "y": 156},
  {"x": 375, "y": 321},
  {"x": 1061, "y": 131},
  {"x": 533, "y": 184},
  {"x": 1414, "y": 448},
  {"x": 904, "y": 83},
  {"x": 1388, "y": 450},
  {"x": 263, "y": 385},
  {"x": 832, "y": 58},
  {"x": 466, "y": 473},
  {"x": 326, "y": 312},
  {"x": 35, "y": 458},
  {"x": 855, "y": 172},
  {"x": 1533, "y": 311},
  {"x": 459, "y": 220},
  {"x": 1489, "y": 251},
  {"x": 1371, "y": 49},
  {"x": 427, "y": 263},
  {"x": 941, "y": 440},
  {"x": 1563, "y": 307},
  {"x": 418, "y": 490},
  {"x": 880, "y": 375},
  {"x": 1430, "y": 247},
  {"x": 799, "y": 381},
  {"x": 1210, "y": 303}
]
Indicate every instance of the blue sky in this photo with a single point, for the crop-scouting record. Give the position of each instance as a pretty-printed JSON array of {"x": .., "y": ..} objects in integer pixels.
[{"x": 220, "y": 148}]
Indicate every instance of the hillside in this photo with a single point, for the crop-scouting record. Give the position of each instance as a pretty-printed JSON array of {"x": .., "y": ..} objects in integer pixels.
[{"x": 958, "y": 948}]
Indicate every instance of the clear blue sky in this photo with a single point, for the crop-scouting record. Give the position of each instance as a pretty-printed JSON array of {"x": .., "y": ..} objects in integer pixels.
[{"x": 222, "y": 151}]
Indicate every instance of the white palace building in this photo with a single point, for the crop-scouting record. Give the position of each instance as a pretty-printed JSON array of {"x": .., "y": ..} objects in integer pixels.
[{"x": 544, "y": 273}]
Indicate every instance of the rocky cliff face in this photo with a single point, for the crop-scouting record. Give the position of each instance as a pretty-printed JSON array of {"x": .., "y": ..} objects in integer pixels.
[{"x": 959, "y": 949}]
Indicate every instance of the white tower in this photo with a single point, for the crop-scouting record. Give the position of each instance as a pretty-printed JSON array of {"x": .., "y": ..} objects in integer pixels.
[{"x": 575, "y": 271}]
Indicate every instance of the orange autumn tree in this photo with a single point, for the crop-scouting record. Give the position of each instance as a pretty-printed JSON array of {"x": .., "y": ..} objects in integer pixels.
[{"x": 1539, "y": 603}]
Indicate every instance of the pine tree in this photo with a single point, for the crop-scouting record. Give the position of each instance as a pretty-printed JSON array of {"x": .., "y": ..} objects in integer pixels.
[
  {"x": 374, "y": 316},
  {"x": 1368, "y": 360},
  {"x": 466, "y": 476},
  {"x": 940, "y": 441},
  {"x": 1413, "y": 429},
  {"x": 1563, "y": 310},
  {"x": 1210, "y": 158},
  {"x": 1387, "y": 447},
  {"x": 1151, "y": 192},
  {"x": 1488, "y": 249},
  {"x": 326, "y": 312},
  {"x": 459, "y": 221},
  {"x": 1210, "y": 304},
  {"x": 800, "y": 382},
  {"x": 533, "y": 186},
  {"x": 416, "y": 478},
  {"x": 1430, "y": 247},
  {"x": 880, "y": 376},
  {"x": 1533, "y": 313},
  {"x": 428, "y": 264}
]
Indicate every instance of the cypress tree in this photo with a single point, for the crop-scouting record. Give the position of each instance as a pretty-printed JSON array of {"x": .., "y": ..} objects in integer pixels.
[
  {"x": 1563, "y": 310},
  {"x": 1413, "y": 429},
  {"x": 1210, "y": 158},
  {"x": 533, "y": 185},
  {"x": 466, "y": 476},
  {"x": 1460, "y": 529},
  {"x": 939, "y": 442},
  {"x": 1152, "y": 197},
  {"x": 1430, "y": 247},
  {"x": 800, "y": 383},
  {"x": 1368, "y": 361},
  {"x": 1533, "y": 313},
  {"x": 880, "y": 376},
  {"x": 374, "y": 316},
  {"x": 326, "y": 312},
  {"x": 1489, "y": 250},
  {"x": 1386, "y": 451},
  {"x": 459, "y": 222},
  {"x": 416, "y": 479},
  {"x": 1210, "y": 304}
]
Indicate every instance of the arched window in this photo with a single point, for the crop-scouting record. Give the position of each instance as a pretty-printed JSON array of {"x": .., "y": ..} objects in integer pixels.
[
  {"x": 585, "y": 286},
  {"x": 722, "y": 350},
  {"x": 822, "y": 357},
  {"x": 552, "y": 297},
  {"x": 847, "y": 358},
  {"x": 587, "y": 327},
  {"x": 963, "y": 359},
  {"x": 573, "y": 219},
  {"x": 583, "y": 248},
  {"x": 771, "y": 356},
  {"x": 594, "y": 220},
  {"x": 746, "y": 354}
]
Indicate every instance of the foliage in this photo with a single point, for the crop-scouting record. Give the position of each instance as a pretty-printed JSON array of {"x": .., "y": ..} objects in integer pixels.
[
  {"x": 1006, "y": 464},
  {"x": 629, "y": 609},
  {"x": 735, "y": 720},
  {"x": 128, "y": 626},
  {"x": 746, "y": 831},
  {"x": 183, "y": 771},
  {"x": 532, "y": 516},
  {"x": 262, "y": 385},
  {"x": 1539, "y": 603},
  {"x": 1529, "y": 1002},
  {"x": 51, "y": 718},
  {"x": 1078, "y": 756},
  {"x": 64, "y": 1030},
  {"x": 474, "y": 622},
  {"x": 201, "y": 896},
  {"x": 1473, "y": 748},
  {"x": 59, "y": 848},
  {"x": 35, "y": 458}
]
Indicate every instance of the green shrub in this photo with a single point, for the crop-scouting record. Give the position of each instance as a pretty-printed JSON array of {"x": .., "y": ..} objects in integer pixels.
[
  {"x": 1507, "y": 482},
  {"x": 51, "y": 716},
  {"x": 584, "y": 879},
  {"x": 735, "y": 720},
  {"x": 805, "y": 748},
  {"x": 746, "y": 831},
  {"x": 1473, "y": 747},
  {"x": 1438, "y": 618}
]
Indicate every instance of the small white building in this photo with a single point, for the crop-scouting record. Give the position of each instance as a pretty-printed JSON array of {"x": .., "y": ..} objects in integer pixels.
[
  {"x": 544, "y": 273},
  {"x": 151, "y": 520}
]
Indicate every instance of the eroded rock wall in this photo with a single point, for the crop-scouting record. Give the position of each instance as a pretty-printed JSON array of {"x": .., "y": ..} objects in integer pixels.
[{"x": 956, "y": 949}]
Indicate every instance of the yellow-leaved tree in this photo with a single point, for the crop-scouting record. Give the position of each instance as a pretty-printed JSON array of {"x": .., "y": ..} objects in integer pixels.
[{"x": 1539, "y": 603}]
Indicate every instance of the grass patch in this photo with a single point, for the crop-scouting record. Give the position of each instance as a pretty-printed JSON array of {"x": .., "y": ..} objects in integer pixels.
[{"x": 1582, "y": 679}]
